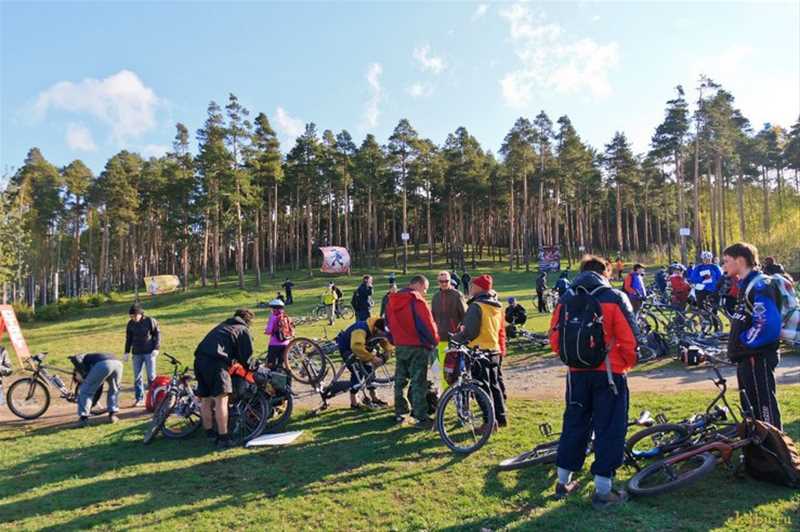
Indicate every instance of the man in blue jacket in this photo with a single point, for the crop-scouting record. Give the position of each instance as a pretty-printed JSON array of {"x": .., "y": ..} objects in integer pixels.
[
  {"x": 755, "y": 333},
  {"x": 704, "y": 278}
]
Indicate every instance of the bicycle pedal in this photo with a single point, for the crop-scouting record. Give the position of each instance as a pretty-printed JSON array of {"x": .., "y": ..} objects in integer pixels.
[{"x": 661, "y": 418}]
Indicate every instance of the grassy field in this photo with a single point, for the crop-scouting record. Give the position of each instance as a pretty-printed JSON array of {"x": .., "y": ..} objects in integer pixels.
[{"x": 347, "y": 471}]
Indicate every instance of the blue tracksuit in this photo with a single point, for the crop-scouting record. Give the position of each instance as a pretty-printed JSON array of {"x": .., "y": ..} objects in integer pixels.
[{"x": 708, "y": 275}]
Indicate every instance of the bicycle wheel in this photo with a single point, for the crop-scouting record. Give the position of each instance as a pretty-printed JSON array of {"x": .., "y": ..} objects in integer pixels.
[
  {"x": 184, "y": 418},
  {"x": 305, "y": 361},
  {"x": 160, "y": 415},
  {"x": 465, "y": 418},
  {"x": 320, "y": 312},
  {"x": 28, "y": 398},
  {"x": 247, "y": 417},
  {"x": 655, "y": 441},
  {"x": 281, "y": 412},
  {"x": 648, "y": 322},
  {"x": 346, "y": 312},
  {"x": 383, "y": 374},
  {"x": 664, "y": 476},
  {"x": 541, "y": 454}
]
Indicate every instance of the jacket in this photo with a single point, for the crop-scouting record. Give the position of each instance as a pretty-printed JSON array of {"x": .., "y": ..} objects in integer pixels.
[
  {"x": 619, "y": 326},
  {"x": 272, "y": 329},
  {"x": 328, "y": 297},
  {"x": 541, "y": 283},
  {"x": 680, "y": 289},
  {"x": 465, "y": 279},
  {"x": 562, "y": 285},
  {"x": 756, "y": 324},
  {"x": 363, "y": 298},
  {"x": 448, "y": 308},
  {"x": 230, "y": 342},
  {"x": 385, "y": 303},
  {"x": 84, "y": 363},
  {"x": 483, "y": 324},
  {"x": 516, "y": 315},
  {"x": 661, "y": 280},
  {"x": 634, "y": 286},
  {"x": 354, "y": 340},
  {"x": 707, "y": 275},
  {"x": 410, "y": 320},
  {"x": 142, "y": 336}
]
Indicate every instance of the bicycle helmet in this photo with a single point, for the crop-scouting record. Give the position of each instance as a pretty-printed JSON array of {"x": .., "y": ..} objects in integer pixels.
[
  {"x": 706, "y": 255},
  {"x": 276, "y": 303}
]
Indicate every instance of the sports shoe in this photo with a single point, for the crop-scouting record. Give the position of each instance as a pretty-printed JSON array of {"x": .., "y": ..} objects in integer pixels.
[
  {"x": 398, "y": 419},
  {"x": 224, "y": 442},
  {"x": 83, "y": 422},
  {"x": 422, "y": 424},
  {"x": 138, "y": 404},
  {"x": 613, "y": 498},
  {"x": 565, "y": 490},
  {"x": 113, "y": 418},
  {"x": 211, "y": 435}
]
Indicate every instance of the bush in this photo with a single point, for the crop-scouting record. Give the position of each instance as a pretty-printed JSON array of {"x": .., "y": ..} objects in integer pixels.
[
  {"x": 67, "y": 304},
  {"x": 24, "y": 312},
  {"x": 48, "y": 312},
  {"x": 95, "y": 300}
]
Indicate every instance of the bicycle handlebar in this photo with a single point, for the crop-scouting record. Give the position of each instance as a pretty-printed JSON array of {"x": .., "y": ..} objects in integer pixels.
[{"x": 172, "y": 360}]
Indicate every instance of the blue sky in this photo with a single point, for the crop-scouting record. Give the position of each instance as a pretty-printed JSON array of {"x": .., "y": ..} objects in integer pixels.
[{"x": 83, "y": 80}]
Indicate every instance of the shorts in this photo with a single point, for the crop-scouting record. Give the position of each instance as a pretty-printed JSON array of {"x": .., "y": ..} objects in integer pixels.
[{"x": 212, "y": 377}]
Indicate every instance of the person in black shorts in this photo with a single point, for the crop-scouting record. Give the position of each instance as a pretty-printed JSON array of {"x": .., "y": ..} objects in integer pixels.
[{"x": 228, "y": 342}]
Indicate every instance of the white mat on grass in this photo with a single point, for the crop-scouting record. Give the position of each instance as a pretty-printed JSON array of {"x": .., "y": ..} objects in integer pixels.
[{"x": 283, "y": 438}]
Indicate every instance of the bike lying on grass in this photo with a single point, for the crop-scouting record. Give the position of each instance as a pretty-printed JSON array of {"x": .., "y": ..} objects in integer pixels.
[{"x": 29, "y": 397}]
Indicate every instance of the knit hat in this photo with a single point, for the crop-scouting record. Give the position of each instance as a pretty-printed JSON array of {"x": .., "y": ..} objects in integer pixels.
[
  {"x": 483, "y": 281},
  {"x": 136, "y": 308}
]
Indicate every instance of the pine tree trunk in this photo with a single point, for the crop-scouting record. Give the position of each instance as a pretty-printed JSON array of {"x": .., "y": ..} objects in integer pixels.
[{"x": 511, "y": 228}]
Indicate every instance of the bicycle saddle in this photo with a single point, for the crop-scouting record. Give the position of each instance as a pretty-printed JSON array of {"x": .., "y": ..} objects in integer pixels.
[{"x": 645, "y": 419}]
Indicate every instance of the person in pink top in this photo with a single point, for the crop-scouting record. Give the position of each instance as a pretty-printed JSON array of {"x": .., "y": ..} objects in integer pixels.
[{"x": 279, "y": 329}]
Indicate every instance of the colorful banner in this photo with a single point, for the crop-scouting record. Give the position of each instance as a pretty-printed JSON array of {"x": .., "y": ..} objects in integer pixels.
[
  {"x": 161, "y": 284},
  {"x": 8, "y": 322},
  {"x": 549, "y": 258},
  {"x": 335, "y": 259}
]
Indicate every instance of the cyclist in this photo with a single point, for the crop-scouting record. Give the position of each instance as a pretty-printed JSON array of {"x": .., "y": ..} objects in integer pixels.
[
  {"x": 634, "y": 286},
  {"x": 280, "y": 331},
  {"x": 143, "y": 339},
  {"x": 92, "y": 370},
  {"x": 593, "y": 403},
  {"x": 660, "y": 282},
  {"x": 773, "y": 268},
  {"x": 755, "y": 333},
  {"x": 620, "y": 267},
  {"x": 515, "y": 315},
  {"x": 465, "y": 278},
  {"x": 329, "y": 300},
  {"x": 483, "y": 329},
  {"x": 357, "y": 341},
  {"x": 562, "y": 285},
  {"x": 448, "y": 308},
  {"x": 362, "y": 299},
  {"x": 385, "y": 300},
  {"x": 679, "y": 287},
  {"x": 228, "y": 342},
  {"x": 705, "y": 280},
  {"x": 541, "y": 286},
  {"x": 287, "y": 286}
]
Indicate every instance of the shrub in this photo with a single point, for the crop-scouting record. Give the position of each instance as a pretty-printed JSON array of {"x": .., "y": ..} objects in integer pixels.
[
  {"x": 95, "y": 300},
  {"x": 24, "y": 312},
  {"x": 48, "y": 312}
]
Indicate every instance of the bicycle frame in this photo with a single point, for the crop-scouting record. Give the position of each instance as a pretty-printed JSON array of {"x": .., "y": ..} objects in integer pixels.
[{"x": 39, "y": 370}]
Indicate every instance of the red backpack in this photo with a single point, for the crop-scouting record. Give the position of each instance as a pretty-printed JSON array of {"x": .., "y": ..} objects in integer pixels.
[
  {"x": 156, "y": 392},
  {"x": 285, "y": 328}
]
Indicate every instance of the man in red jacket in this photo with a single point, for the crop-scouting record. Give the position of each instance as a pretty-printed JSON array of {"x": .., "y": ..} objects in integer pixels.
[
  {"x": 593, "y": 403},
  {"x": 415, "y": 335}
]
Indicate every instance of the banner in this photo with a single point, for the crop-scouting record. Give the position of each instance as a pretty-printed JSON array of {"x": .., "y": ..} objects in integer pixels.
[
  {"x": 8, "y": 322},
  {"x": 161, "y": 284},
  {"x": 549, "y": 258},
  {"x": 335, "y": 259}
]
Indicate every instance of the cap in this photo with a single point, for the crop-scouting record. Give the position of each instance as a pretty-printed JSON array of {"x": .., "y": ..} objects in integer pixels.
[{"x": 483, "y": 281}]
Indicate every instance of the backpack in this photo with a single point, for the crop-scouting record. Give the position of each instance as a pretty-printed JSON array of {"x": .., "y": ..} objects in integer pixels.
[
  {"x": 652, "y": 346},
  {"x": 790, "y": 309},
  {"x": 285, "y": 328},
  {"x": 772, "y": 456},
  {"x": 5, "y": 363},
  {"x": 156, "y": 392},
  {"x": 580, "y": 328}
]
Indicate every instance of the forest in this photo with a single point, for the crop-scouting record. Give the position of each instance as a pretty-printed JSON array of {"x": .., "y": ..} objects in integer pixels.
[{"x": 244, "y": 204}]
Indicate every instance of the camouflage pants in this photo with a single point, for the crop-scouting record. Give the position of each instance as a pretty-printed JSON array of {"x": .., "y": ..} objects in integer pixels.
[{"x": 411, "y": 364}]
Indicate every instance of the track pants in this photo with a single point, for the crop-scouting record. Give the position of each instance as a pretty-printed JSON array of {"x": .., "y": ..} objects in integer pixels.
[
  {"x": 756, "y": 376},
  {"x": 488, "y": 375}
]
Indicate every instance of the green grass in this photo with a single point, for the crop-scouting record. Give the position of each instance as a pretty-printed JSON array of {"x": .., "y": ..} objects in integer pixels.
[{"x": 351, "y": 471}]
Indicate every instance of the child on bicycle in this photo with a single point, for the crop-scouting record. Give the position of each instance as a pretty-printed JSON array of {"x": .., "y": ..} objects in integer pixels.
[
  {"x": 280, "y": 331},
  {"x": 357, "y": 344}
]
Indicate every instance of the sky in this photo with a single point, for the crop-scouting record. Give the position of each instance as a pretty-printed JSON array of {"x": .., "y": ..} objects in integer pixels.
[{"x": 85, "y": 80}]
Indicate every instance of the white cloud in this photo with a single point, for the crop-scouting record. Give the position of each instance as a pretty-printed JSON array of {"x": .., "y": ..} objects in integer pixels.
[
  {"x": 551, "y": 61},
  {"x": 480, "y": 11},
  {"x": 120, "y": 101},
  {"x": 79, "y": 138},
  {"x": 290, "y": 126},
  {"x": 428, "y": 62},
  {"x": 372, "y": 111},
  {"x": 419, "y": 89},
  {"x": 154, "y": 150}
]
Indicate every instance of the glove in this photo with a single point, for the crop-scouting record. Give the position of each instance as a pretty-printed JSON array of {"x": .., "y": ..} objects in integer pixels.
[
  {"x": 699, "y": 286},
  {"x": 155, "y": 352}
]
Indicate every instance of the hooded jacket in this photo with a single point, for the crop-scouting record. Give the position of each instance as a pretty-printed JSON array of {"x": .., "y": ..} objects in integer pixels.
[
  {"x": 619, "y": 326},
  {"x": 756, "y": 324},
  {"x": 229, "y": 342},
  {"x": 410, "y": 320},
  {"x": 354, "y": 340},
  {"x": 483, "y": 324},
  {"x": 448, "y": 308}
]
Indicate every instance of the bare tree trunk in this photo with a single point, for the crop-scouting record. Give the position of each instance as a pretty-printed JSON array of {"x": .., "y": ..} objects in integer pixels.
[{"x": 511, "y": 227}]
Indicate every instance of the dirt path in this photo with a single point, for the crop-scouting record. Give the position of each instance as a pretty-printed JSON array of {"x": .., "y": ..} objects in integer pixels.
[{"x": 529, "y": 377}]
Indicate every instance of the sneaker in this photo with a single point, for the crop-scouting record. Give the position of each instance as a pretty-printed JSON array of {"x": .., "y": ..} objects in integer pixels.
[
  {"x": 82, "y": 422},
  {"x": 225, "y": 442},
  {"x": 502, "y": 423},
  {"x": 565, "y": 490},
  {"x": 398, "y": 419},
  {"x": 378, "y": 403},
  {"x": 138, "y": 404},
  {"x": 211, "y": 435},
  {"x": 113, "y": 418},
  {"x": 613, "y": 498},
  {"x": 422, "y": 424}
]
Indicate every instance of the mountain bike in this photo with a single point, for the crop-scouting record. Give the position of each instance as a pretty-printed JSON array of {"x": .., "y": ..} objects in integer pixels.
[
  {"x": 177, "y": 413},
  {"x": 551, "y": 298},
  {"x": 29, "y": 397},
  {"x": 545, "y": 453},
  {"x": 345, "y": 312},
  {"x": 465, "y": 414}
]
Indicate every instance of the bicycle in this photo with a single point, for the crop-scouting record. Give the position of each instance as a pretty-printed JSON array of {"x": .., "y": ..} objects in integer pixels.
[
  {"x": 345, "y": 312},
  {"x": 694, "y": 447},
  {"x": 545, "y": 453},
  {"x": 177, "y": 413},
  {"x": 461, "y": 395},
  {"x": 551, "y": 298},
  {"x": 29, "y": 397}
]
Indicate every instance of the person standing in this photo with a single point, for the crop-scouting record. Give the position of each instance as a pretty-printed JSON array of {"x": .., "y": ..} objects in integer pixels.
[
  {"x": 287, "y": 287},
  {"x": 415, "y": 336},
  {"x": 541, "y": 286},
  {"x": 634, "y": 287},
  {"x": 329, "y": 300},
  {"x": 754, "y": 339},
  {"x": 705, "y": 280},
  {"x": 562, "y": 285},
  {"x": 392, "y": 279},
  {"x": 143, "y": 340},
  {"x": 484, "y": 329},
  {"x": 92, "y": 370},
  {"x": 597, "y": 397},
  {"x": 455, "y": 280},
  {"x": 448, "y": 307},
  {"x": 339, "y": 296},
  {"x": 362, "y": 299},
  {"x": 280, "y": 331},
  {"x": 465, "y": 278},
  {"x": 620, "y": 268},
  {"x": 385, "y": 300},
  {"x": 228, "y": 342}
]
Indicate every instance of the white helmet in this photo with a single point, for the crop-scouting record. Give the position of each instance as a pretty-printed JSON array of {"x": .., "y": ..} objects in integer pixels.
[
  {"x": 276, "y": 303},
  {"x": 706, "y": 255}
]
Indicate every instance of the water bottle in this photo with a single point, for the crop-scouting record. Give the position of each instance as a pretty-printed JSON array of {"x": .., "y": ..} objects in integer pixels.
[
  {"x": 57, "y": 382},
  {"x": 2, "y": 395}
]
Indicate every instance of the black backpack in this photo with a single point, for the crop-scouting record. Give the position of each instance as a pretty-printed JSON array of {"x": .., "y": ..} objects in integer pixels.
[{"x": 580, "y": 329}]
